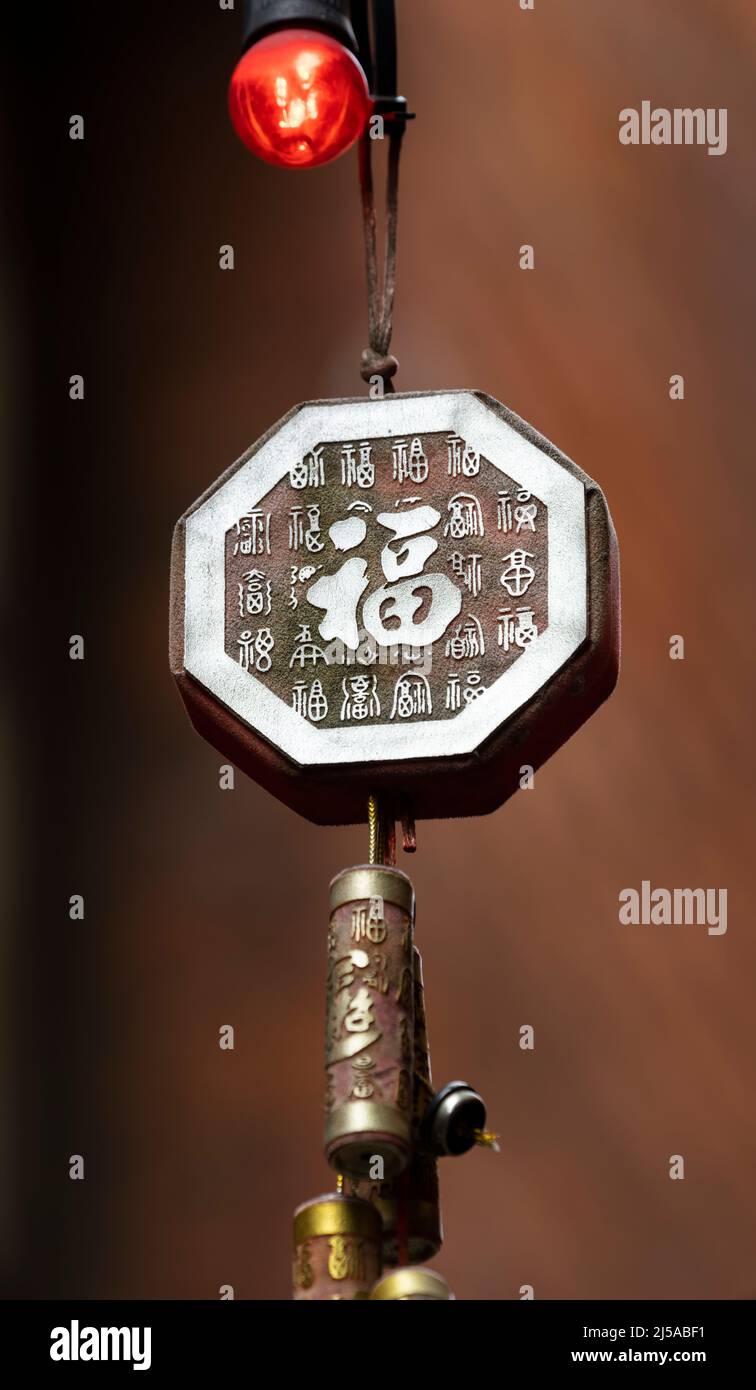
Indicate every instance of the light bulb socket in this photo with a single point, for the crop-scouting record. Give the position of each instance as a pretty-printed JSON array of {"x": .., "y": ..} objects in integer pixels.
[
  {"x": 451, "y": 1120},
  {"x": 263, "y": 17}
]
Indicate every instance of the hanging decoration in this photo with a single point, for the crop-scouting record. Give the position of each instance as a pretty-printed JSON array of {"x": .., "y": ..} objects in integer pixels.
[{"x": 391, "y": 607}]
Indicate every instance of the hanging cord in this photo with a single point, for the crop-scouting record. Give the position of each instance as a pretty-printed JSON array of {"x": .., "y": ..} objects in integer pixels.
[
  {"x": 381, "y": 832},
  {"x": 377, "y": 361}
]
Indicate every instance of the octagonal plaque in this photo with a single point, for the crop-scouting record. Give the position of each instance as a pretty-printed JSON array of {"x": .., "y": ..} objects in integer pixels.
[{"x": 416, "y": 595}]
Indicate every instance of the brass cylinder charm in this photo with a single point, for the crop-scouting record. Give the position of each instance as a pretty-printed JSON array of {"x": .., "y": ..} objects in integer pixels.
[
  {"x": 412, "y": 1282},
  {"x": 369, "y": 1022},
  {"x": 337, "y": 1248}
]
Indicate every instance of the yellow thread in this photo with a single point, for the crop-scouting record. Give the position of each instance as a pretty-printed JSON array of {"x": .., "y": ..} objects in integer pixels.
[
  {"x": 373, "y": 829},
  {"x": 486, "y": 1139}
]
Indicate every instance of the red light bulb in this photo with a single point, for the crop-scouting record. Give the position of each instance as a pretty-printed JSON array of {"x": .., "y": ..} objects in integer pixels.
[{"x": 298, "y": 98}]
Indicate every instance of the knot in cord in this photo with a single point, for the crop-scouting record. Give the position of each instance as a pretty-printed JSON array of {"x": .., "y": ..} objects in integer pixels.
[{"x": 382, "y": 364}]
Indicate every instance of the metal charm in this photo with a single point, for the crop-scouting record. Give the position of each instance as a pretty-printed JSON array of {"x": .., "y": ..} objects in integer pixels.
[
  {"x": 382, "y": 595},
  {"x": 337, "y": 1248},
  {"x": 369, "y": 1022}
]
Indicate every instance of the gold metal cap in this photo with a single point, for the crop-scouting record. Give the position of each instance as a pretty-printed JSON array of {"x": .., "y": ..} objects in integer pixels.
[
  {"x": 412, "y": 1281},
  {"x": 333, "y": 1214},
  {"x": 373, "y": 881},
  {"x": 361, "y": 1130}
]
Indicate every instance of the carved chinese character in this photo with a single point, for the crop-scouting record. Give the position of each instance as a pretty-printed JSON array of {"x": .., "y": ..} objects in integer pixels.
[
  {"x": 456, "y": 693},
  {"x": 467, "y": 568},
  {"x": 465, "y": 516},
  {"x": 255, "y": 651},
  {"x": 525, "y": 513},
  {"x": 388, "y": 613},
  {"x": 308, "y": 472},
  {"x": 360, "y": 697},
  {"x": 253, "y": 533},
  {"x": 467, "y": 641},
  {"x": 306, "y": 652},
  {"x": 254, "y": 594},
  {"x": 308, "y": 535},
  {"x": 517, "y": 575},
  {"x": 357, "y": 469},
  {"x": 409, "y": 461},
  {"x": 368, "y": 922},
  {"x": 412, "y": 696},
  {"x": 359, "y": 1014},
  {"x": 516, "y": 629},
  {"x": 310, "y": 702},
  {"x": 462, "y": 460}
]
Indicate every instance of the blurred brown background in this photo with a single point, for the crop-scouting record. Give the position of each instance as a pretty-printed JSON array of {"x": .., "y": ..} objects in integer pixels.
[{"x": 206, "y": 907}]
